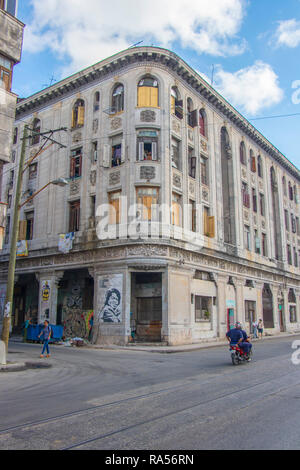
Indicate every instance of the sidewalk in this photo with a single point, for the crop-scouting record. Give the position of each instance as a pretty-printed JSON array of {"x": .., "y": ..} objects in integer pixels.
[
  {"x": 19, "y": 361},
  {"x": 185, "y": 347}
]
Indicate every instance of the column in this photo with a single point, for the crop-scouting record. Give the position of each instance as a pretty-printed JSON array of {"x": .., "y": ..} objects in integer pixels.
[
  {"x": 221, "y": 302},
  {"x": 275, "y": 290},
  {"x": 240, "y": 304},
  {"x": 259, "y": 302},
  {"x": 48, "y": 282}
]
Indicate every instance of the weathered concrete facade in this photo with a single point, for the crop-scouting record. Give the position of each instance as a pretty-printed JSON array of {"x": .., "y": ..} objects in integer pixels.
[
  {"x": 11, "y": 39},
  {"x": 242, "y": 261}
]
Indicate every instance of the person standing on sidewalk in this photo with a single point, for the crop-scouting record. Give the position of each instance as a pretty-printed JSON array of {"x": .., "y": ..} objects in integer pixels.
[
  {"x": 46, "y": 335},
  {"x": 255, "y": 327},
  {"x": 260, "y": 328}
]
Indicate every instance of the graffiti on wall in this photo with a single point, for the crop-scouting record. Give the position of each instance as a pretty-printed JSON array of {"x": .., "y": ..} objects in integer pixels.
[
  {"x": 110, "y": 291},
  {"x": 78, "y": 324},
  {"x": 45, "y": 300}
]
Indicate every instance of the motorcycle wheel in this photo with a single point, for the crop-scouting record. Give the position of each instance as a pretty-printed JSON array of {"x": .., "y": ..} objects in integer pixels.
[{"x": 235, "y": 359}]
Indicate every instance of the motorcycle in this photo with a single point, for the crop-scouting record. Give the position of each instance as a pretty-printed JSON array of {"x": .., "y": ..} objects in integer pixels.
[{"x": 238, "y": 355}]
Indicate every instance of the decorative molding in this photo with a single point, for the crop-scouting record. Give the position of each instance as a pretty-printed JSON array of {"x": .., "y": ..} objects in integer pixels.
[
  {"x": 93, "y": 177},
  {"x": 114, "y": 178},
  {"x": 204, "y": 145},
  {"x": 77, "y": 137},
  {"x": 116, "y": 123},
  {"x": 177, "y": 181},
  {"x": 74, "y": 187},
  {"x": 147, "y": 173},
  {"x": 148, "y": 116}
]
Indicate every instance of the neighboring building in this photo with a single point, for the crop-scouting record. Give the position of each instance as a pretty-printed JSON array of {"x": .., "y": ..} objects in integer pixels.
[
  {"x": 146, "y": 129},
  {"x": 11, "y": 39}
]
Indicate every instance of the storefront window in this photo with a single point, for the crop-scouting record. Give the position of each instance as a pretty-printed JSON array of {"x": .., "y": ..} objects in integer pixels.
[{"x": 203, "y": 306}]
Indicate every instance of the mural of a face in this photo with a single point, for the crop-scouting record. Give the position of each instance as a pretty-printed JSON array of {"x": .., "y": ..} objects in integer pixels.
[{"x": 113, "y": 301}]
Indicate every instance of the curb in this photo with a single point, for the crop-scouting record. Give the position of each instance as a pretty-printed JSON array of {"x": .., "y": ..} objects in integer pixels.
[
  {"x": 21, "y": 366},
  {"x": 183, "y": 349}
]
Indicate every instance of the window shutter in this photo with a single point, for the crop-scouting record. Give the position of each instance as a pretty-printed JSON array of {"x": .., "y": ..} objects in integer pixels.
[
  {"x": 141, "y": 151},
  {"x": 205, "y": 223},
  {"x": 123, "y": 149},
  {"x": 253, "y": 164},
  {"x": 154, "y": 151},
  {"x": 72, "y": 167},
  {"x": 143, "y": 97},
  {"x": 211, "y": 227},
  {"x": 106, "y": 162},
  {"x": 194, "y": 118},
  {"x": 22, "y": 229},
  {"x": 173, "y": 104},
  {"x": 147, "y": 206},
  {"x": 73, "y": 119},
  {"x": 153, "y": 97},
  {"x": 80, "y": 119},
  {"x": 179, "y": 109}
]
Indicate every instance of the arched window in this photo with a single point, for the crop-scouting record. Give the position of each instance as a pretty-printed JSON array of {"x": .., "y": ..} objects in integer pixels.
[
  {"x": 78, "y": 114},
  {"x": 148, "y": 93},
  {"x": 243, "y": 153},
  {"x": 203, "y": 122},
  {"x": 96, "y": 101},
  {"x": 191, "y": 114},
  {"x": 252, "y": 161},
  {"x": 117, "y": 102},
  {"x": 36, "y": 129},
  {"x": 259, "y": 167},
  {"x": 284, "y": 186},
  {"x": 176, "y": 103}
]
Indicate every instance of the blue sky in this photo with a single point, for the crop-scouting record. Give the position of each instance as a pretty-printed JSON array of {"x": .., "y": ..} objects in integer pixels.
[{"x": 253, "y": 45}]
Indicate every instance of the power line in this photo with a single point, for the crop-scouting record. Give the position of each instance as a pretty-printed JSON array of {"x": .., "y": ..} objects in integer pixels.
[{"x": 274, "y": 117}]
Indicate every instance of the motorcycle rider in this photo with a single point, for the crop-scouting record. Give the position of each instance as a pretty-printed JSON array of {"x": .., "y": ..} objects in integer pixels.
[
  {"x": 235, "y": 336},
  {"x": 245, "y": 345}
]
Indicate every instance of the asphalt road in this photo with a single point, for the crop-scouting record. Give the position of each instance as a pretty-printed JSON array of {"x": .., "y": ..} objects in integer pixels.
[{"x": 130, "y": 400}]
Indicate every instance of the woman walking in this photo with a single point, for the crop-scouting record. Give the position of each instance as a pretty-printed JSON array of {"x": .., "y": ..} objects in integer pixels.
[
  {"x": 260, "y": 328},
  {"x": 46, "y": 335}
]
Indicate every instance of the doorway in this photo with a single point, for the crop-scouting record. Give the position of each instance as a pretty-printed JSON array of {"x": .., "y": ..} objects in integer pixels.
[{"x": 146, "y": 307}]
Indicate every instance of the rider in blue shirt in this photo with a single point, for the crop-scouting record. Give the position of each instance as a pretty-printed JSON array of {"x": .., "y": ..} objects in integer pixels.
[{"x": 235, "y": 335}]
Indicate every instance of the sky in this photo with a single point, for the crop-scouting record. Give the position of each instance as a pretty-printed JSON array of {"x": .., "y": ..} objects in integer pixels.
[{"x": 248, "y": 49}]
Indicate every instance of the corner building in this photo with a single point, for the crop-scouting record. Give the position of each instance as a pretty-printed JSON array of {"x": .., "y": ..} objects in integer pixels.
[{"x": 144, "y": 128}]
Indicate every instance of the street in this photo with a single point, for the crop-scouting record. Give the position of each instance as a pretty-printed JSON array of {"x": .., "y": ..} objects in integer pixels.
[{"x": 131, "y": 400}]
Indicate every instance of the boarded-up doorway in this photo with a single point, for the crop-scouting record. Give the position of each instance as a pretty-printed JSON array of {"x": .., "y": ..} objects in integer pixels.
[
  {"x": 146, "y": 302},
  {"x": 268, "y": 307}
]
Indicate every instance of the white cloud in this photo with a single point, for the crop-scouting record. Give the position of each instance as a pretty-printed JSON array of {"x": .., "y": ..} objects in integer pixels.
[
  {"x": 85, "y": 32},
  {"x": 288, "y": 33},
  {"x": 252, "y": 88}
]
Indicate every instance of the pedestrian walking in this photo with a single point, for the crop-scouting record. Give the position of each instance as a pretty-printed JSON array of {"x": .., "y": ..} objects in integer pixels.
[
  {"x": 46, "y": 335},
  {"x": 26, "y": 324},
  {"x": 260, "y": 328},
  {"x": 255, "y": 328}
]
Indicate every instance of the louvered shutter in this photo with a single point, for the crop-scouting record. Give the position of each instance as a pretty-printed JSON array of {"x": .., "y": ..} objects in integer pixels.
[
  {"x": 154, "y": 151},
  {"x": 80, "y": 118},
  {"x": 22, "y": 229},
  {"x": 211, "y": 227}
]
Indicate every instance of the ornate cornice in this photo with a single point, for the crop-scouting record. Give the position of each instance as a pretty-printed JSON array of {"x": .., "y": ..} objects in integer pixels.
[{"x": 156, "y": 57}]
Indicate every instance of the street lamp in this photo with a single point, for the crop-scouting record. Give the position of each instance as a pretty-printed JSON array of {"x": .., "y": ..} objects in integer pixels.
[{"x": 58, "y": 182}]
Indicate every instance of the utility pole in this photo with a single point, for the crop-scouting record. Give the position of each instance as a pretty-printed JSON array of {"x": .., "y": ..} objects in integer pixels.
[
  {"x": 15, "y": 229},
  {"x": 13, "y": 247}
]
